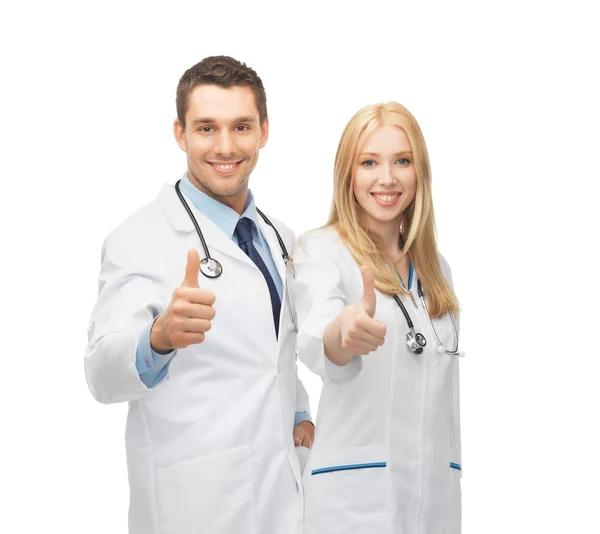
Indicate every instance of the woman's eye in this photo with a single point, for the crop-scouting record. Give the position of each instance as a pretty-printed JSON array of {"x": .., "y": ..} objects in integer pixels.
[
  {"x": 368, "y": 163},
  {"x": 403, "y": 161}
]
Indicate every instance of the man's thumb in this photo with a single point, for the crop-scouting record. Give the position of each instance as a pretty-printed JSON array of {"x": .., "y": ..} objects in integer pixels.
[
  {"x": 368, "y": 299},
  {"x": 192, "y": 269}
]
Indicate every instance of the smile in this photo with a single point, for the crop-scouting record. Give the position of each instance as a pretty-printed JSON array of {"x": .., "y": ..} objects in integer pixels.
[
  {"x": 386, "y": 199},
  {"x": 225, "y": 168}
]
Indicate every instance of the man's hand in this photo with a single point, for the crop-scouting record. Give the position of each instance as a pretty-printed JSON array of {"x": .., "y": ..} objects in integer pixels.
[
  {"x": 188, "y": 315},
  {"x": 304, "y": 434}
]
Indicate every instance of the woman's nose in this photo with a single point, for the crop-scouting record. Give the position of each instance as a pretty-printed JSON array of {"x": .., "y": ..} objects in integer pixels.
[{"x": 386, "y": 176}]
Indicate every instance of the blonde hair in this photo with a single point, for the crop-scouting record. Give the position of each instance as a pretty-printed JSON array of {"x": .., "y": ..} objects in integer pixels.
[{"x": 417, "y": 228}]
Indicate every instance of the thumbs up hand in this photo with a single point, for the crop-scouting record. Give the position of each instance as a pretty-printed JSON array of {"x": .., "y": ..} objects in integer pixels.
[
  {"x": 189, "y": 314},
  {"x": 355, "y": 331},
  {"x": 368, "y": 300},
  {"x": 192, "y": 269}
]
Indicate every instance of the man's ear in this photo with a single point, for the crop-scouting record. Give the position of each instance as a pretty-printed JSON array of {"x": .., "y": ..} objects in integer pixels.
[
  {"x": 179, "y": 132},
  {"x": 264, "y": 133}
]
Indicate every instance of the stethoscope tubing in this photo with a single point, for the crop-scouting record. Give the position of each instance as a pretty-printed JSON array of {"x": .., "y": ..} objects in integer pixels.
[
  {"x": 196, "y": 226},
  {"x": 405, "y": 312},
  {"x": 284, "y": 252},
  {"x": 454, "y": 351},
  {"x": 217, "y": 268},
  {"x": 287, "y": 260}
]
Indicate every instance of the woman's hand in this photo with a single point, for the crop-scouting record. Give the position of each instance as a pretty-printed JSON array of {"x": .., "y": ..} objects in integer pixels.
[{"x": 355, "y": 331}]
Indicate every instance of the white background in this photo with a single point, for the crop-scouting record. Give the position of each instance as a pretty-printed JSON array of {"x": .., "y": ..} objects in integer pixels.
[{"x": 507, "y": 96}]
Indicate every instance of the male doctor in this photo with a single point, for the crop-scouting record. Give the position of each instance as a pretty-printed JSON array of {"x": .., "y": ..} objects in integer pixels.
[{"x": 207, "y": 364}]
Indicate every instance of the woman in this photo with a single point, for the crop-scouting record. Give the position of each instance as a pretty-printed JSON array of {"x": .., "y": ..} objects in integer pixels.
[{"x": 386, "y": 458}]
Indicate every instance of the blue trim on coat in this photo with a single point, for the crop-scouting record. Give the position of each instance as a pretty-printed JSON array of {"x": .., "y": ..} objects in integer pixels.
[{"x": 347, "y": 467}]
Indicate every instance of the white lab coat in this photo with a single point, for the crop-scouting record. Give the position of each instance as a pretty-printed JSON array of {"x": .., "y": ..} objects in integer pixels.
[
  {"x": 209, "y": 449},
  {"x": 395, "y": 411}
]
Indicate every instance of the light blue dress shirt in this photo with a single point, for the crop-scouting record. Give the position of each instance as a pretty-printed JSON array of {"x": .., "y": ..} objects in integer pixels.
[{"x": 153, "y": 367}]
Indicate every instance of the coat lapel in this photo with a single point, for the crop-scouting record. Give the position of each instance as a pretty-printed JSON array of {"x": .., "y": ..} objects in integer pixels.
[
  {"x": 285, "y": 321},
  {"x": 274, "y": 247},
  {"x": 215, "y": 239}
]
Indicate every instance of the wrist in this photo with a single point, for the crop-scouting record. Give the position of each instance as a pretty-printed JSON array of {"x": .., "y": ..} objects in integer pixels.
[
  {"x": 332, "y": 343},
  {"x": 157, "y": 342}
]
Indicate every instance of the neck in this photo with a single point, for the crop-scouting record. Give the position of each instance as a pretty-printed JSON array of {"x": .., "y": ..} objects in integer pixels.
[
  {"x": 389, "y": 235},
  {"x": 235, "y": 201}
]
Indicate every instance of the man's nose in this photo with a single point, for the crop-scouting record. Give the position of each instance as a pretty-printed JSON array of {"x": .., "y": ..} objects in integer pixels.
[{"x": 225, "y": 145}]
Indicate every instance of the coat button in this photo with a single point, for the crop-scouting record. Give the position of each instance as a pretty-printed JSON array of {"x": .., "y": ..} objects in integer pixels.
[{"x": 291, "y": 327}]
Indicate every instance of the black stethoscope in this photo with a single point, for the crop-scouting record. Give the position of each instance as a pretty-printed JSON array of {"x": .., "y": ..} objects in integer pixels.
[
  {"x": 416, "y": 341},
  {"x": 210, "y": 267}
]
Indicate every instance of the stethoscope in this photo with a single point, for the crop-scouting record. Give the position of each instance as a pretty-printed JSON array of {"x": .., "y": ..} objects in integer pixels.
[
  {"x": 416, "y": 341},
  {"x": 212, "y": 268}
]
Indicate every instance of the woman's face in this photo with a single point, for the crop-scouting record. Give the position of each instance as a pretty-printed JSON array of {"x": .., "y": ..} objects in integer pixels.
[{"x": 385, "y": 179}]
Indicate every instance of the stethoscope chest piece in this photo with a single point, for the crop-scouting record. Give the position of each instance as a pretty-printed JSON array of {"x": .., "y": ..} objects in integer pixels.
[
  {"x": 211, "y": 268},
  {"x": 415, "y": 341}
]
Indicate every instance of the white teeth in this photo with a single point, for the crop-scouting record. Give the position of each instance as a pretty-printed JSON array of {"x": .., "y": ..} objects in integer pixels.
[
  {"x": 386, "y": 198},
  {"x": 225, "y": 167}
]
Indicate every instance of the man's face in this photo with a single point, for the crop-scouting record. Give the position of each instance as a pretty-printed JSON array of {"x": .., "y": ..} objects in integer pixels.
[{"x": 222, "y": 138}]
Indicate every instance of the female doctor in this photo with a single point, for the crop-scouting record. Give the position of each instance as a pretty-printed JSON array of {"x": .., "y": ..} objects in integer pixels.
[{"x": 378, "y": 321}]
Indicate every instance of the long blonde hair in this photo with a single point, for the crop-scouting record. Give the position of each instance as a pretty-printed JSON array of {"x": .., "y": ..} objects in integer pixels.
[{"x": 417, "y": 227}]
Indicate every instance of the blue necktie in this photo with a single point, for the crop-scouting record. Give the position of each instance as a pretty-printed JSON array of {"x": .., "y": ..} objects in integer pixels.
[{"x": 243, "y": 232}]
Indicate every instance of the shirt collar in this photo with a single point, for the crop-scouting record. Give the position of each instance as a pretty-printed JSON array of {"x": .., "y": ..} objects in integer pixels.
[{"x": 217, "y": 212}]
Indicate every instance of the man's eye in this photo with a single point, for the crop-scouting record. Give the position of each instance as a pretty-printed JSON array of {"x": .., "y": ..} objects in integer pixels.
[
  {"x": 206, "y": 129},
  {"x": 241, "y": 128}
]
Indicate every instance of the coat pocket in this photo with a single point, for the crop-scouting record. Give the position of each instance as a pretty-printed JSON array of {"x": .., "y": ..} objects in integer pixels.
[
  {"x": 348, "y": 491},
  {"x": 455, "y": 511},
  {"x": 208, "y": 494}
]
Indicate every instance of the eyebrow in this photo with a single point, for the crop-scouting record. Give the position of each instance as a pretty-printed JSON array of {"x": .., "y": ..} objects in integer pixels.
[
  {"x": 210, "y": 120},
  {"x": 405, "y": 152}
]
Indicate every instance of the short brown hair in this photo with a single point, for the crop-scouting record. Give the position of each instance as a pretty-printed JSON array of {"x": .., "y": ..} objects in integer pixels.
[{"x": 223, "y": 71}]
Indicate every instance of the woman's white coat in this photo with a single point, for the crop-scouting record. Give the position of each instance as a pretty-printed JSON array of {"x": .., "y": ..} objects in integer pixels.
[{"x": 387, "y": 448}]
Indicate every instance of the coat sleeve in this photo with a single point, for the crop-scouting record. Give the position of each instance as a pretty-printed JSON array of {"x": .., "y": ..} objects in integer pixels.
[
  {"x": 447, "y": 272},
  {"x": 319, "y": 298},
  {"x": 302, "y": 401},
  {"x": 128, "y": 301}
]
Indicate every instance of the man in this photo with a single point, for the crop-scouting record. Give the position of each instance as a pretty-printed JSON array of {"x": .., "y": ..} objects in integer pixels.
[{"x": 207, "y": 363}]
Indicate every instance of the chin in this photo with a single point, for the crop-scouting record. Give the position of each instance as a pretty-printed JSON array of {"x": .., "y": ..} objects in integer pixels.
[
  {"x": 387, "y": 217},
  {"x": 229, "y": 188}
]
